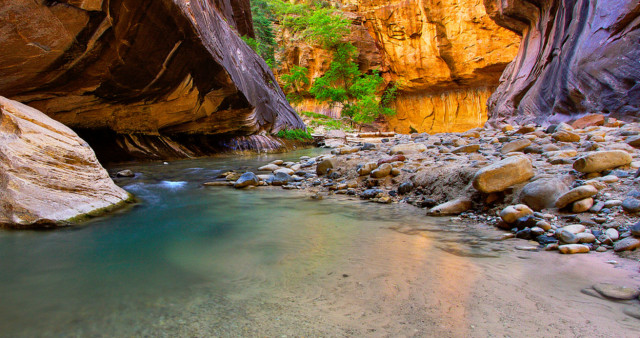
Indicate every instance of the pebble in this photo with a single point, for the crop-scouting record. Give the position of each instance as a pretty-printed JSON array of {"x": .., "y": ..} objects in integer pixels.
[
  {"x": 576, "y": 194},
  {"x": 573, "y": 248},
  {"x": 631, "y": 205},
  {"x": 512, "y": 213},
  {"x": 626, "y": 244},
  {"x": 612, "y": 233}
]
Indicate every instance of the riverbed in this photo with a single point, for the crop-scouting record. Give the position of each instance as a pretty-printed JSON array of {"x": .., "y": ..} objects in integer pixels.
[{"x": 190, "y": 260}]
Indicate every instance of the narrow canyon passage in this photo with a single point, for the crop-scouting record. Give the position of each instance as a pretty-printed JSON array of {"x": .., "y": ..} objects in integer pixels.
[{"x": 213, "y": 261}]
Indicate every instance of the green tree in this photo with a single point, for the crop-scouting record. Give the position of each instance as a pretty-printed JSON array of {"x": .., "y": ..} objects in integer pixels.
[{"x": 294, "y": 83}]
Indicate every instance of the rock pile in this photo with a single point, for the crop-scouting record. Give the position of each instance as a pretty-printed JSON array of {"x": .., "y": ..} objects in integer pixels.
[{"x": 571, "y": 190}]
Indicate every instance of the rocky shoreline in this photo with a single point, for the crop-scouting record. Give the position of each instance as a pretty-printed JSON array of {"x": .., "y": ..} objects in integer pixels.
[{"x": 570, "y": 188}]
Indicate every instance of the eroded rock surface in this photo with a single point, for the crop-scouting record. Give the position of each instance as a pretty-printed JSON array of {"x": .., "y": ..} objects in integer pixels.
[
  {"x": 577, "y": 57},
  {"x": 154, "y": 68},
  {"x": 47, "y": 173}
]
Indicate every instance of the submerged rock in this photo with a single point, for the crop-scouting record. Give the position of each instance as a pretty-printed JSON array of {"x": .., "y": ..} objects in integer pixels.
[{"x": 48, "y": 174}]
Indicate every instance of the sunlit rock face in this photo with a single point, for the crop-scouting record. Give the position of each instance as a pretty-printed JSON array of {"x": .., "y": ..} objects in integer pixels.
[
  {"x": 446, "y": 56},
  {"x": 577, "y": 57},
  {"x": 151, "y": 67},
  {"x": 47, "y": 173}
]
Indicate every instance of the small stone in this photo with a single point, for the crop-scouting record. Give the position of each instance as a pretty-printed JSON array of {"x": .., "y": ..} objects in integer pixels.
[
  {"x": 526, "y": 248},
  {"x": 588, "y": 121},
  {"x": 616, "y": 292},
  {"x": 472, "y": 148},
  {"x": 395, "y": 158},
  {"x": 612, "y": 233},
  {"x": 566, "y": 237},
  {"x": 575, "y": 228},
  {"x": 408, "y": 148},
  {"x": 582, "y": 205},
  {"x": 287, "y": 171},
  {"x": 454, "y": 207},
  {"x": 565, "y": 136},
  {"x": 405, "y": 188},
  {"x": 629, "y": 243},
  {"x": 601, "y": 249},
  {"x": 382, "y": 171},
  {"x": 395, "y": 172},
  {"x": 545, "y": 240},
  {"x": 370, "y": 193},
  {"x": 537, "y": 231},
  {"x": 632, "y": 311},
  {"x": 324, "y": 166},
  {"x": 573, "y": 248},
  {"x": 576, "y": 194},
  {"x": 503, "y": 174},
  {"x": 367, "y": 168},
  {"x": 612, "y": 203},
  {"x": 544, "y": 225},
  {"x": 631, "y": 205},
  {"x": 125, "y": 173},
  {"x": 280, "y": 178},
  {"x": 635, "y": 229},
  {"x": 517, "y": 145},
  {"x": 602, "y": 160},
  {"x": 269, "y": 167},
  {"x": 512, "y": 213},
  {"x": 585, "y": 237}
]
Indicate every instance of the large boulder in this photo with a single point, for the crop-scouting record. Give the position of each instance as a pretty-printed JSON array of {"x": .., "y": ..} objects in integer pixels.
[
  {"x": 602, "y": 160},
  {"x": 543, "y": 192},
  {"x": 577, "y": 57},
  {"x": 48, "y": 175},
  {"x": 166, "y": 76},
  {"x": 503, "y": 174}
]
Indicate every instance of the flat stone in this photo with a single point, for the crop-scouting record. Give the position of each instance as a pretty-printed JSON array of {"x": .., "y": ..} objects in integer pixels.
[
  {"x": 269, "y": 167},
  {"x": 503, "y": 174},
  {"x": 576, "y": 194},
  {"x": 526, "y": 248},
  {"x": 602, "y": 160},
  {"x": 573, "y": 248},
  {"x": 517, "y": 145},
  {"x": 408, "y": 148},
  {"x": 626, "y": 244},
  {"x": 565, "y": 136},
  {"x": 454, "y": 207},
  {"x": 472, "y": 148},
  {"x": 616, "y": 292}
]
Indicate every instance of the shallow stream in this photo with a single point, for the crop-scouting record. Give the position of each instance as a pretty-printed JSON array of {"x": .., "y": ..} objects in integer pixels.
[{"x": 203, "y": 261}]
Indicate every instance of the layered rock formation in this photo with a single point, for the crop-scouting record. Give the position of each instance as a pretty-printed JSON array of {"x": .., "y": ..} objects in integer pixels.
[
  {"x": 446, "y": 56},
  {"x": 577, "y": 57},
  {"x": 155, "y": 68},
  {"x": 48, "y": 174}
]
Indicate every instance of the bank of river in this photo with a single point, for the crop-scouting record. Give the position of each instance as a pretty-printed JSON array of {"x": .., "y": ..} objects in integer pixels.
[{"x": 191, "y": 260}]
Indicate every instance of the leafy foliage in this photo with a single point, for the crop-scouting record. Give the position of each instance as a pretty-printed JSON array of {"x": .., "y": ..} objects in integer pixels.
[
  {"x": 294, "y": 83},
  {"x": 265, "y": 42},
  {"x": 295, "y": 134}
]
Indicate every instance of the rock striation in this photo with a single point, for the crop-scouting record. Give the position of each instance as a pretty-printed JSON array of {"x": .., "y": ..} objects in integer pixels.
[
  {"x": 48, "y": 175},
  {"x": 577, "y": 57},
  {"x": 161, "y": 68}
]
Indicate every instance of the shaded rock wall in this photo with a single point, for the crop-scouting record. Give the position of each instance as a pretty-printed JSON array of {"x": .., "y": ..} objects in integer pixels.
[
  {"x": 577, "y": 57},
  {"x": 47, "y": 173},
  {"x": 446, "y": 57},
  {"x": 161, "y": 67}
]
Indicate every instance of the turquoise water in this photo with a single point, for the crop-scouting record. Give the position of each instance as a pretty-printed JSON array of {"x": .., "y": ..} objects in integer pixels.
[{"x": 203, "y": 261}]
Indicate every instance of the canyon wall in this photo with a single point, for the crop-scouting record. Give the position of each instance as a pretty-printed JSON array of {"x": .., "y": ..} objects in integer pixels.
[
  {"x": 577, "y": 57},
  {"x": 445, "y": 56},
  {"x": 156, "y": 68}
]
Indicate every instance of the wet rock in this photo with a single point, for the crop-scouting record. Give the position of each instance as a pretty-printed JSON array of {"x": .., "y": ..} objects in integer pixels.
[
  {"x": 382, "y": 171},
  {"x": 517, "y": 145},
  {"x": 616, "y": 292},
  {"x": 405, "y": 188},
  {"x": 408, "y": 148},
  {"x": 576, "y": 194},
  {"x": 512, "y": 213},
  {"x": 368, "y": 146},
  {"x": 280, "y": 178},
  {"x": 218, "y": 184},
  {"x": 526, "y": 222},
  {"x": 582, "y": 205},
  {"x": 503, "y": 174},
  {"x": 544, "y": 225},
  {"x": 269, "y": 167},
  {"x": 125, "y": 173},
  {"x": 573, "y": 248},
  {"x": 454, "y": 207},
  {"x": 324, "y": 166},
  {"x": 545, "y": 240},
  {"x": 370, "y": 193},
  {"x": 543, "y": 193},
  {"x": 524, "y": 233},
  {"x": 631, "y": 205},
  {"x": 246, "y": 179},
  {"x": 626, "y": 244},
  {"x": 602, "y": 160},
  {"x": 287, "y": 171}
]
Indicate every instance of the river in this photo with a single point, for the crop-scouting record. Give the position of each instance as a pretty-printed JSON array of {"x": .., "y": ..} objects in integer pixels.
[{"x": 190, "y": 260}]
